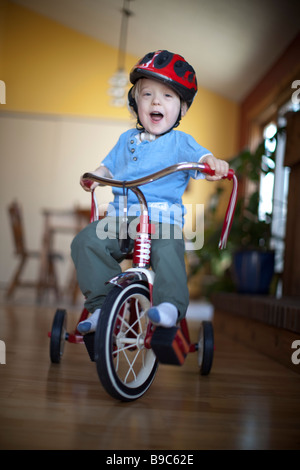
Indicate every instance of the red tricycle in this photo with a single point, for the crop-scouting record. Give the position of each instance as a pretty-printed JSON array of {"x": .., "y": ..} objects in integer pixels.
[{"x": 126, "y": 346}]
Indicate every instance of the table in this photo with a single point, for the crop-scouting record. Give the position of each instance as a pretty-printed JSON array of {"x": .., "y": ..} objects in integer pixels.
[{"x": 58, "y": 221}]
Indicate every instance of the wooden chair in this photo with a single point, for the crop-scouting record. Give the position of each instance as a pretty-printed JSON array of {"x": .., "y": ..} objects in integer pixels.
[
  {"x": 82, "y": 218},
  {"x": 21, "y": 251}
]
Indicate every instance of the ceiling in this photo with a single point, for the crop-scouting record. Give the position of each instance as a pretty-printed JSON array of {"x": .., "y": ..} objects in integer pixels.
[{"x": 230, "y": 43}]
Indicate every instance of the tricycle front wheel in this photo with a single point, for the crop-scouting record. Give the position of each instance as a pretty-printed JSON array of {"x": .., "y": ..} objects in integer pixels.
[{"x": 126, "y": 367}]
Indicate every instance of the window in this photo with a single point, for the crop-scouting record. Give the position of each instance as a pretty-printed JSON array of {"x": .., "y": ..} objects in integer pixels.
[
  {"x": 274, "y": 185},
  {"x": 267, "y": 179}
]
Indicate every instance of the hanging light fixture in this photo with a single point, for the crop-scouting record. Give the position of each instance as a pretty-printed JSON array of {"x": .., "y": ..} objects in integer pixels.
[{"x": 119, "y": 80}]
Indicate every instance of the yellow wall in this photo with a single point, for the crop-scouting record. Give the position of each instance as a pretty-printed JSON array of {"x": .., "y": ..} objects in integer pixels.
[
  {"x": 51, "y": 70},
  {"x": 3, "y": 15}
]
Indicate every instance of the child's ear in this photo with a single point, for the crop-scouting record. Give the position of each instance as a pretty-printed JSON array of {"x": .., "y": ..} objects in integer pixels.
[{"x": 184, "y": 109}]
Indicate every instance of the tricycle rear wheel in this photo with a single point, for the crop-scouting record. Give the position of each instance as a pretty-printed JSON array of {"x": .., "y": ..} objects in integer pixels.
[
  {"x": 205, "y": 347},
  {"x": 58, "y": 336}
]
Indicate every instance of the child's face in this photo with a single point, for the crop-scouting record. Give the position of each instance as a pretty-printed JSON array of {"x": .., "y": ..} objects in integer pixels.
[{"x": 158, "y": 106}]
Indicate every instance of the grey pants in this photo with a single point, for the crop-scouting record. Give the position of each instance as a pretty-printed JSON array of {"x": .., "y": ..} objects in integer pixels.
[{"x": 97, "y": 260}]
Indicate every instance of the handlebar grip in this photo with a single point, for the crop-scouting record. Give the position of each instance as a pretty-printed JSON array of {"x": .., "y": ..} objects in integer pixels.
[
  {"x": 88, "y": 183},
  {"x": 230, "y": 174},
  {"x": 209, "y": 171}
]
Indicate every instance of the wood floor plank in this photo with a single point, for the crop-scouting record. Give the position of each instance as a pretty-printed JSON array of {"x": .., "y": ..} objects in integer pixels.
[{"x": 249, "y": 401}]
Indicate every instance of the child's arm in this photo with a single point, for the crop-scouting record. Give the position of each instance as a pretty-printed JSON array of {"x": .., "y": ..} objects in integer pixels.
[
  {"x": 100, "y": 171},
  {"x": 221, "y": 167}
]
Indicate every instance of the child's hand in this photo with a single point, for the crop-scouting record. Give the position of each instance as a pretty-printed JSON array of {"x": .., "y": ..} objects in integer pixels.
[
  {"x": 221, "y": 167},
  {"x": 89, "y": 185}
]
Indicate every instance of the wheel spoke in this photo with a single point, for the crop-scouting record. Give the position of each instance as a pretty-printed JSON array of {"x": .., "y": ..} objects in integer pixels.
[
  {"x": 127, "y": 325},
  {"x": 131, "y": 364},
  {"x": 138, "y": 311},
  {"x": 127, "y": 341}
]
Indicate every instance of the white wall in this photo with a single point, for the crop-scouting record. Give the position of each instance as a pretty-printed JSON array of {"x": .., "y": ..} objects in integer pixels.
[{"x": 42, "y": 158}]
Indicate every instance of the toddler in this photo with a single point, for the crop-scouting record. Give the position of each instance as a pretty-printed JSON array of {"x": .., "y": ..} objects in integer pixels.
[{"x": 164, "y": 86}]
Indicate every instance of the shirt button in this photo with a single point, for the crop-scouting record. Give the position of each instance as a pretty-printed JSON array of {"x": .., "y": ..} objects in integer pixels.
[
  {"x": 135, "y": 159},
  {"x": 132, "y": 141},
  {"x": 132, "y": 150}
]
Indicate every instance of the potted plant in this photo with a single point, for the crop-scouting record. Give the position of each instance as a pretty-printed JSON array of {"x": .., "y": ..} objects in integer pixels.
[{"x": 247, "y": 264}]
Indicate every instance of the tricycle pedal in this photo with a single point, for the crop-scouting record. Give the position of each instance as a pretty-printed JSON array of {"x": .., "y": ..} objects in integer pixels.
[
  {"x": 89, "y": 341},
  {"x": 169, "y": 345}
]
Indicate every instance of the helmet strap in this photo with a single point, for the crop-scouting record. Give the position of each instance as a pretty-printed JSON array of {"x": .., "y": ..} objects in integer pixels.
[
  {"x": 139, "y": 126},
  {"x": 178, "y": 119}
]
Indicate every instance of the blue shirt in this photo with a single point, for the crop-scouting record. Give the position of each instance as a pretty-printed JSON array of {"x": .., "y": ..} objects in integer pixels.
[{"x": 131, "y": 159}]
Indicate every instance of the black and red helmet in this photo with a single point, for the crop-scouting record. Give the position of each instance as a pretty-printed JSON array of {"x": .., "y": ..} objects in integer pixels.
[{"x": 171, "y": 69}]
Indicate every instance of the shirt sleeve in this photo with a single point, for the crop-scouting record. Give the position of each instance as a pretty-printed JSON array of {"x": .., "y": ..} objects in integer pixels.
[{"x": 194, "y": 152}]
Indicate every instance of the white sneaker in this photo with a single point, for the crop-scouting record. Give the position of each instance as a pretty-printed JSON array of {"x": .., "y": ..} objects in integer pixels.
[{"x": 90, "y": 324}]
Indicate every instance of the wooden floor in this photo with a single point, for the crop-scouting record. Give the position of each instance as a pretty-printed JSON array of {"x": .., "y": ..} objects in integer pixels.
[{"x": 247, "y": 402}]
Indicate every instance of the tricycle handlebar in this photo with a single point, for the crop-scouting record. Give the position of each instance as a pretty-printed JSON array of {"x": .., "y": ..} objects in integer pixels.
[{"x": 185, "y": 166}]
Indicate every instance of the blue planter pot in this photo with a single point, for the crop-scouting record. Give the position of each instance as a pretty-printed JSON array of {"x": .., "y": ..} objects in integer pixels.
[{"x": 253, "y": 271}]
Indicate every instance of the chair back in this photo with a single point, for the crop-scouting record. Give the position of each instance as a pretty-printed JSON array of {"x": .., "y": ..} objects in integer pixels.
[{"x": 16, "y": 220}]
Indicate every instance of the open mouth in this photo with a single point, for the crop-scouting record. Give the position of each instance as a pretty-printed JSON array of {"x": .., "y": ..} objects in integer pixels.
[{"x": 156, "y": 116}]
